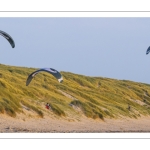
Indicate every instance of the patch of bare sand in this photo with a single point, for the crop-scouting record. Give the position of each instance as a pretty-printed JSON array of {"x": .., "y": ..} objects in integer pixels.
[{"x": 50, "y": 124}]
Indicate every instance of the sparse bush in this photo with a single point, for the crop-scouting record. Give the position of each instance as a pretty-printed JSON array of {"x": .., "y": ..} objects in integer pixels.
[
  {"x": 39, "y": 112},
  {"x": 57, "y": 110}
]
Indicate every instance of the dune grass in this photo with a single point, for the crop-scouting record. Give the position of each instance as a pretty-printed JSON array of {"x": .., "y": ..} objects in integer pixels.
[{"x": 97, "y": 97}]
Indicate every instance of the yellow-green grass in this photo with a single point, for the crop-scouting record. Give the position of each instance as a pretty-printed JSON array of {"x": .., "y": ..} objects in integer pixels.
[{"x": 97, "y": 97}]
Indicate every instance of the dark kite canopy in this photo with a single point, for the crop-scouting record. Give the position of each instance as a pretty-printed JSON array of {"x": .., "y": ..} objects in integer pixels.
[{"x": 8, "y": 38}]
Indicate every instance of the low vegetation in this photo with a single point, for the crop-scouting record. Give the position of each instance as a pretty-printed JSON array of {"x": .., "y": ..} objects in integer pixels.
[{"x": 96, "y": 97}]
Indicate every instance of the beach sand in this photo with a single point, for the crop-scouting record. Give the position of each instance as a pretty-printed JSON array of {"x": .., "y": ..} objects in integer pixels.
[{"x": 52, "y": 124}]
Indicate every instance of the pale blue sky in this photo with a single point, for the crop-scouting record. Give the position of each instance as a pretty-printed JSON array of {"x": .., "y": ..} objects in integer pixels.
[{"x": 105, "y": 47}]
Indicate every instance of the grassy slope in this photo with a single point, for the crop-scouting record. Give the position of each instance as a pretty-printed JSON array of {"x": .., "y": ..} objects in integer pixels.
[{"x": 97, "y": 97}]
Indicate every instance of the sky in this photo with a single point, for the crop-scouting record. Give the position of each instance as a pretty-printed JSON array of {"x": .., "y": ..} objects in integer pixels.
[{"x": 111, "y": 47}]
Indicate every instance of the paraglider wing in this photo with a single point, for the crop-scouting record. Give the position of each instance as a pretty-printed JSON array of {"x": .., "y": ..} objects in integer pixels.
[
  {"x": 148, "y": 50},
  {"x": 30, "y": 77},
  {"x": 52, "y": 71},
  {"x": 8, "y": 37}
]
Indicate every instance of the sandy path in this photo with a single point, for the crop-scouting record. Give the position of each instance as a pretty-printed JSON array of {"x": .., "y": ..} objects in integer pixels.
[{"x": 84, "y": 125}]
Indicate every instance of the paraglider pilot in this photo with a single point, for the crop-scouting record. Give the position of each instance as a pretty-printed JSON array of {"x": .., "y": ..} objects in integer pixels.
[{"x": 47, "y": 105}]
